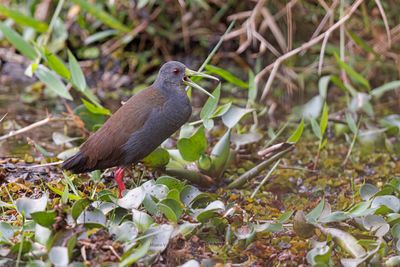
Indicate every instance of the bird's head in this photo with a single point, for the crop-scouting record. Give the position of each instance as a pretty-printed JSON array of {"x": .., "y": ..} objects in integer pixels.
[
  {"x": 176, "y": 73},
  {"x": 172, "y": 72}
]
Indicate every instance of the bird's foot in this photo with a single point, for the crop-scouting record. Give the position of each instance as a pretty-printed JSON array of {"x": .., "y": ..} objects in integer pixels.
[{"x": 119, "y": 179}]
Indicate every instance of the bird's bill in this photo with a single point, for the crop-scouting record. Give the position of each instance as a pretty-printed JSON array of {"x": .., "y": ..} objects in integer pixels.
[
  {"x": 190, "y": 83},
  {"x": 189, "y": 73}
]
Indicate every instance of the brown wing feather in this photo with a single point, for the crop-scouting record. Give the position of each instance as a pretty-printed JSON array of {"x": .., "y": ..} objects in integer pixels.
[{"x": 103, "y": 148}]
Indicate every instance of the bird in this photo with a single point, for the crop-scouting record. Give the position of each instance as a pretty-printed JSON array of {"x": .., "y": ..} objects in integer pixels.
[{"x": 140, "y": 125}]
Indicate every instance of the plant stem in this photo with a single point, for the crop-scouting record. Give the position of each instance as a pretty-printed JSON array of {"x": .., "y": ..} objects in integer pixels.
[
  {"x": 265, "y": 178},
  {"x": 52, "y": 22},
  {"x": 245, "y": 177},
  {"x": 21, "y": 244},
  {"x": 215, "y": 49},
  {"x": 352, "y": 144}
]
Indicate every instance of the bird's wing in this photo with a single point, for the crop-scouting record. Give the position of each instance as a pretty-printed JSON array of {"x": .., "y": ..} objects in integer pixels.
[{"x": 103, "y": 148}]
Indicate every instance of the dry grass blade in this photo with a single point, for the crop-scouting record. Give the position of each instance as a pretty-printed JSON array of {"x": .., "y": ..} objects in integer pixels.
[
  {"x": 322, "y": 53},
  {"x": 303, "y": 47},
  {"x": 385, "y": 21},
  {"x": 269, "y": 22}
]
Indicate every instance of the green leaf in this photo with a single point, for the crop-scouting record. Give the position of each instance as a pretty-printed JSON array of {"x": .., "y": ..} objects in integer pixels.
[
  {"x": 269, "y": 227},
  {"x": 361, "y": 43},
  {"x": 252, "y": 95},
  {"x": 60, "y": 193},
  {"x": 158, "y": 158},
  {"x": 234, "y": 115},
  {"x": 171, "y": 209},
  {"x": 77, "y": 77},
  {"x": 134, "y": 254},
  {"x": 355, "y": 76},
  {"x": 312, "y": 109},
  {"x": 79, "y": 206},
  {"x": 101, "y": 15},
  {"x": 26, "y": 206},
  {"x": 320, "y": 256},
  {"x": 125, "y": 232},
  {"x": 98, "y": 36},
  {"x": 142, "y": 220},
  {"x": 367, "y": 191},
  {"x": 92, "y": 218},
  {"x": 205, "y": 162},
  {"x": 361, "y": 209},
  {"x": 316, "y": 212},
  {"x": 18, "y": 42},
  {"x": 212, "y": 210},
  {"x": 351, "y": 123},
  {"x": 175, "y": 195},
  {"x": 348, "y": 242},
  {"x": 192, "y": 148},
  {"x": 44, "y": 218},
  {"x": 211, "y": 105},
  {"x": 133, "y": 198},
  {"x": 53, "y": 82},
  {"x": 285, "y": 216},
  {"x": 92, "y": 121},
  {"x": 171, "y": 182},
  {"x": 220, "y": 154},
  {"x": 396, "y": 231},
  {"x": 324, "y": 119},
  {"x": 295, "y": 137},
  {"x": 388, "y": 201},
  {"x": 316, "y": 129},
  {"x": 56, "y": 64},
  {"x": 95, "y": 109},
  {"x": 379, "y": 91},
  {"x": 22, "y": 19},
  {"x": 6, "y": 231},
  {"x": 31, "y": 69},
  {"x": 59, "y": 256},
  {"x": 323, "y": 86},
  {"x": 188, "y": 194},
  {"x": 336, "y": 216},
  {"x": 221, "y": 110},
  {"x": 229, "y": 77}
]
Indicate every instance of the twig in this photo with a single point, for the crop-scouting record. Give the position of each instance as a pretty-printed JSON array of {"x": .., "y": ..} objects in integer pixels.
[
  {"x": 305, "y": 46},
  {"x": 29, "y": 127}
]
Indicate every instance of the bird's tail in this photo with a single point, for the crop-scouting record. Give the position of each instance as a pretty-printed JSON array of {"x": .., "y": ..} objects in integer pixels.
[{"x": 76, "y": 163}]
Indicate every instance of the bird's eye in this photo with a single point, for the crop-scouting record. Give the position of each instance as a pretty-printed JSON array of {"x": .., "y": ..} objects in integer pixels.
[{"x": 176, "y": 71}]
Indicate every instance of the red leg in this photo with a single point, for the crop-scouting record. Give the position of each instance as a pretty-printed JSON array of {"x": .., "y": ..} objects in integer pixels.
[{"x": 119, "y": 179}]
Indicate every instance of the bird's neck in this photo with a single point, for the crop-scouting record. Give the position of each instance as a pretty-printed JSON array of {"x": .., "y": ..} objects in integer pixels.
[{"x": 168, "y": 88}]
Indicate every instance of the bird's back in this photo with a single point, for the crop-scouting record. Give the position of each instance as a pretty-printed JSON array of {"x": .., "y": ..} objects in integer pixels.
[{"x": 103, "y": 148}]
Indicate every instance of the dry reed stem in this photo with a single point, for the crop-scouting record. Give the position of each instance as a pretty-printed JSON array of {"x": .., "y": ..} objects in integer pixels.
[{"x": 274, "y": 66}]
